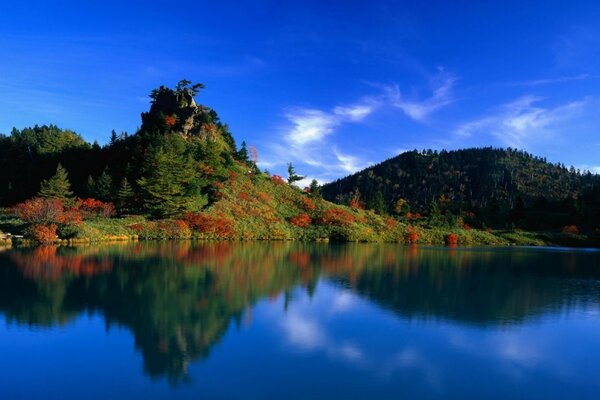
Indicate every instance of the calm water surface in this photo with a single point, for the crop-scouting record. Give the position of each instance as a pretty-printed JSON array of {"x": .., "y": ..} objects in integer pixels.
[{"x": 298, "y": 321}]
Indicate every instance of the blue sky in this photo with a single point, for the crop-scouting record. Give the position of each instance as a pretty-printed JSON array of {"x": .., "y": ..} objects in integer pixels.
[{"x": 332, "y": 86}]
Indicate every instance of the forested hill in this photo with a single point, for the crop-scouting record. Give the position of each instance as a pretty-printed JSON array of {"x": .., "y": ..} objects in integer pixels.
[{"x": 498, "y": 184}]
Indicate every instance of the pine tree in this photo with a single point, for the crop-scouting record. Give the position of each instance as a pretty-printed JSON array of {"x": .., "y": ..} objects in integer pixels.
[
  {"x": 315, "y": 188},
  {"x": 103, "y": 189},
  {"x": 292, "y": 176},
  {"x": 90, "y": 186},
  {"x": 125, "y": 194},
  {"x": 377, "y": 204},
  {"x": 57, "y": 187},
  {"x": 242, "y": 154},
  {"x": 170, "y": 185}
]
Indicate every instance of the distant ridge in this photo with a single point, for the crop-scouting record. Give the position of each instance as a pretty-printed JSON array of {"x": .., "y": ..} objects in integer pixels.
[{"x": 490, "y": 181}]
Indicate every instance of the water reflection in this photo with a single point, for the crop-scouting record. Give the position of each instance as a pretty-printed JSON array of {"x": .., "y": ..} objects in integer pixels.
[{"x": 179, "y": 299}]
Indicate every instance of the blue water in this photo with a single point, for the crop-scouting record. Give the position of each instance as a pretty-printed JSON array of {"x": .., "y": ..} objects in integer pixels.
[{"x": 298, "y": 321}]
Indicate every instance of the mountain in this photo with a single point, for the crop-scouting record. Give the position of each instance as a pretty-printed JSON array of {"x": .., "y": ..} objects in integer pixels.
[{"x": 499, "y": 186}]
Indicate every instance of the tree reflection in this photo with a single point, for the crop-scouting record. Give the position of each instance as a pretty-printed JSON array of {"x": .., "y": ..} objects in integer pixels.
[{"x": 178, "y": 299}]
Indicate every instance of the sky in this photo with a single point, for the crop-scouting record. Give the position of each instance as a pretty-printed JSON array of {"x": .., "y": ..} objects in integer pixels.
[{"x": 332, "y": 86}]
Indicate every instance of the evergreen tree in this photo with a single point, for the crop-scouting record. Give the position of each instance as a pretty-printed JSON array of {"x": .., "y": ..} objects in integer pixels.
[
  {"x": 242, "y": 154},
  {"x": 57, "y": 187},
  {"x": 124, "y": 195},
  {"x": 170, "y": 187},
  {"x": 90, "y": 186},
  {"x": 103, "y": 189},
  {"x": 315, "y": 188},
  {"x": 292, "y": 176},
  {"x": 113, "y": 138},
  {"x": 377, "y": 204}
]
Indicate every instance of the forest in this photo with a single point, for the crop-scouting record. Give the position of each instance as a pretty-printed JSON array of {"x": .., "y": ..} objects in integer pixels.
[{"x": 182, "y": 176}]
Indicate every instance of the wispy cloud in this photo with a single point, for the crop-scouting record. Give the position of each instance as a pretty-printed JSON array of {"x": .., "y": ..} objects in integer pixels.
[
  {"x": 420, "y": 109},
  {"x": 304, "y": 139},
  {"x": 521, "y": 122},
  {"x": 549, "y": 81}
]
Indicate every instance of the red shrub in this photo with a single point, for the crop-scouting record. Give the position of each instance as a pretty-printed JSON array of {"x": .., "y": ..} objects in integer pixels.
[
  {"x": 451, "y": 239},
  {"x": 215, "y": 225},
  {"x": 356, "y": 204},
  {"x": 278, "y": 180},
  {"x": 244, "y": 196},
  {"x": 570, "y": 229},
  {"x": 391, "y": 223},
  {"x": 93, "y": 207},
  {"x": 40, "y": 210},
  {"x": 302, "y": 220},
  {"x": 44, "y": 234},
  {"x": 171, "y": 120},
  {"x": 413, "y": 215},
  {"x": 411, "y": 235},
  {"x": 308, "y": 204},
  {"x": 336, "y": 216}
]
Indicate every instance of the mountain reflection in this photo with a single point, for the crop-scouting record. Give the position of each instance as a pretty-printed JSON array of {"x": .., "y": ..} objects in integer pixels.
[{"x": 178, "y": 299}]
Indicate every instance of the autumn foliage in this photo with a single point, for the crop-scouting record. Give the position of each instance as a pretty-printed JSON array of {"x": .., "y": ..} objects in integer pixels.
[
  {"x": 40, "y": 210},
  {"x": 336, "y": 216},
  {"x": 278, "y": 180},
  {"x": 411, "y": 235},
  {"x": 93, "y": 207},
  {"x": 220, "y": 225},
  {"x": 43, "y": 233},
  {"x": 302, "y": 220},
  {"x": 171, "y": 120},
  {"x": 308, "y": 204},
  {"x": 451, "y": 239},
  {"x": 570, "y": 229}
]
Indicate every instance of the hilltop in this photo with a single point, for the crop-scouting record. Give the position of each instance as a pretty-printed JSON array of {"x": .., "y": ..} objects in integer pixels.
[{"x": 499, "y": 187}]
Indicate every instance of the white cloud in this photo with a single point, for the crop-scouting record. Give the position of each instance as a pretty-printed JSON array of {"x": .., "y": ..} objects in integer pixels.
[
  {"x": 305, "y": 140},
  {"x": 420, "y": 110},
  {"x": 549, "y": 81},
  {"x": 309, "y": 126},
  {"x": 521, "y": 122},
  {"x": 349, "y": 163}
]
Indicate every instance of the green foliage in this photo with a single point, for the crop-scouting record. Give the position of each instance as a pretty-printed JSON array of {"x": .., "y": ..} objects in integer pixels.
[
  {"x": 125, "y": 196},
  {"x": 47, "y": 139},
  {"x": 315, "y": 188},
  {"x": 292, "y": 175},
  {"x": 103, "y": 187},
  {"x": 58, "y": 186},
  {"x": 498, "y": 185},
  {"x": 170, "y": 185}
]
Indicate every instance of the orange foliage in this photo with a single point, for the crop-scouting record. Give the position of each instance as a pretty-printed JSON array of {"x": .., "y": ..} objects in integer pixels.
[
  {"x": 39, "y": 210},
  {"x": 278, "y": 180},
  {"x": 356, "y": 204},
  {"x": 451, "y": 239},
  {"x": 263, "y": 197},
  {"x": 308, "y": 204},
  {"x": 391, "y": 223},
  {"x": 411, "y": 235},
  {"x": 170, "y": 120},
  {"x": 302, "y": 220},
  {"x": 96, "y": 207},
  {"x": 413, "y": 216},
  {"x": 244, "y": 196},
  {"x": 215, "y": 225},
  {"x": 570, "y": 229},
  {"x": 336, "y": 216},
  {"x": 44, "y": 234}
]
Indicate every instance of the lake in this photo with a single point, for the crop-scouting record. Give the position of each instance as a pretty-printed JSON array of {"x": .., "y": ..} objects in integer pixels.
[{"x": 290, "y": 320}]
